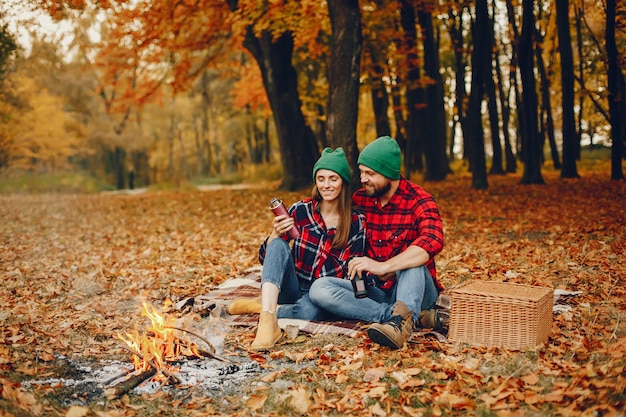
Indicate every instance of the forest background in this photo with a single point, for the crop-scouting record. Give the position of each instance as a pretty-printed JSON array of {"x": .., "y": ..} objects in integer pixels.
[{"x": 138, "y": 94}]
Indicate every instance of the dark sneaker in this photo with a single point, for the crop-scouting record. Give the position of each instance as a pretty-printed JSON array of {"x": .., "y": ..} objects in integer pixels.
[{"x": 396, "y": 331}]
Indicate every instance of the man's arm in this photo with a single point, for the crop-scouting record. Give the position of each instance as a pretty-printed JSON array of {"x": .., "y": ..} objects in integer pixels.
[{"x": 411, "y": 257}]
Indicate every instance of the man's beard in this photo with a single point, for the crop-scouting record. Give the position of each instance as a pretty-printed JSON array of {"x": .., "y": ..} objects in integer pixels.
[{"x": 379, "y": 191}]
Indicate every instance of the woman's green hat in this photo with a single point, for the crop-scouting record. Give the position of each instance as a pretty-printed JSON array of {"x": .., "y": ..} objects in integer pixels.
[
  {"x": 335, "y": 161},
  {"x": 383, "y": 156}
]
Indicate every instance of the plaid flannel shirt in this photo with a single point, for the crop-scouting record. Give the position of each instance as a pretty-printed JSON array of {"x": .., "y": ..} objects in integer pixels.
[
  {"x": 411, "y": 217},
  {"x": 312, "y": 252}
]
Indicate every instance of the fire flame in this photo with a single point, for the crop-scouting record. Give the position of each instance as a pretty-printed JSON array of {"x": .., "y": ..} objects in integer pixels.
[{"x": 160, "y": 344}]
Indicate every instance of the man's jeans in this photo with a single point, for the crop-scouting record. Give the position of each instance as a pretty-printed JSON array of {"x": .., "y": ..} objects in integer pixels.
[
  {"x": 279, "y": 269},
  {"x": 415, "y": 288}
]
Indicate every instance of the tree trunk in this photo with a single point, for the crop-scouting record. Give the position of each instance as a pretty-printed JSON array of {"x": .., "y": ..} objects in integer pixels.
[
  {"x": 398, "y": 115},
  {"x": 204, "y": 114},
  {"x": 119, "y": 155},
  {"x": 343, "y": 79},
  {"x": 514, "y": 66},
  {"x": 616, "y": 94},
  {"x": 414, "y": 93},
  {"x": 570, "y": 137},
  {"x": 492, "y": 106},
  {"x": 456, "y": 34},
  {"x": 510, "y": 162},
  {"x": 435, "y": 158},
  {"x": 547, "y": 120},
  {"x": 380, "y": 98},
  {"x": 481, "y": 57},
  {"x": 531, "y": 142},
  {"x": 297, "y": 144}
]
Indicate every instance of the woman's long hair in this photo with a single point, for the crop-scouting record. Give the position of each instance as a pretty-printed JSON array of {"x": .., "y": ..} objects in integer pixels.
[{"x": 342, "y": 235}]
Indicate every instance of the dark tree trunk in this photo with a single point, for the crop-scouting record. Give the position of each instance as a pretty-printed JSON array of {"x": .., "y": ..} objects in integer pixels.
[
  {"x": 547, "y": 121},
  {"x": 456, "y": 34},
  {"x": 343, "y": 79},
  {"x": 510, "y": 162},
  {"x": 531, "y": 142},
  {"x": 435, "y": 158},
  {"x": 513, "y": 77},
  {"x": 380, "y": 98},
  {"x": 119, "y": 156},
  {"x": 298, "y": 148},
  {"x": 481, "y": 63},
  {"x": 492, "y": 106},
  {"x": 398, "y": 115},
  {"x": 581, "y": 77},
  {"x": 415, "y": 101},
  {"x": 570, "y": 137},
  {"x": 616, "y": 94}
]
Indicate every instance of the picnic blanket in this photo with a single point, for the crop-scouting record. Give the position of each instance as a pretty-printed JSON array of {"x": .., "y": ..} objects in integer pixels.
[{"x": 249, "y": 286}]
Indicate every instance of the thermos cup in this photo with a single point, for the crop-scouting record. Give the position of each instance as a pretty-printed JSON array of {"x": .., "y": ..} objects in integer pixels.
[{"x": 279, "y": 208}]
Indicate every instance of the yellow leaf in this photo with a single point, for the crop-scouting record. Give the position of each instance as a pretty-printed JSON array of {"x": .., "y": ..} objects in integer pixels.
[
  {"x": 301, "y": 401},
  {"x": 256, "y": 402},
  {"x": 77, "y": 411}
]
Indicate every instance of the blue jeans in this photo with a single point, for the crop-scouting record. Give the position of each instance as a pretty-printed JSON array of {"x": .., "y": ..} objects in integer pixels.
[
  {"x": 415, "y": 288},
  {"x": 293, "y": 300}
]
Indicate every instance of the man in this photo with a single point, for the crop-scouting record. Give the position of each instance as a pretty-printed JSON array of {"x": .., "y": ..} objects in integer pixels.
[{"x": 403, "y": 234}]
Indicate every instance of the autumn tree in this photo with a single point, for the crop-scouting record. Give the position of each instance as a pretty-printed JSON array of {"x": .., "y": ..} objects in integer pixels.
[
  {"x": 531, "y": 142},
  {"x": 344, "y": 78},
  {"x": 481, "y": 67},
  {"x": 8, "y": 100},
  {"x": 617, "y": 92},
  {"x": 570, "y": 136}
]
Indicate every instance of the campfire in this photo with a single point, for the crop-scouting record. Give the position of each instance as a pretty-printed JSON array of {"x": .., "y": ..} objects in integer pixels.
[
  {"x": 165, "y": 354},
  {"x": 157, "y": 351}
]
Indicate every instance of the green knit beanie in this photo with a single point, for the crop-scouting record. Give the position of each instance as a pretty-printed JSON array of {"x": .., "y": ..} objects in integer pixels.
[
  {"x": 383, "y": 156},
  {"x": 335, "y": 161}
]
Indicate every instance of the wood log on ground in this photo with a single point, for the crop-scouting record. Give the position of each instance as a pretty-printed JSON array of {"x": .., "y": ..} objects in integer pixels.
[{"x": 128, "y": 385}]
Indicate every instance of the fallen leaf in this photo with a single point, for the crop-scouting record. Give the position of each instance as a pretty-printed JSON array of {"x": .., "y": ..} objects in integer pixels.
[
  {"x": 256, "y": 401},
  {"x": 77, "y": 411},
  {"x": 301, "y": 400}
]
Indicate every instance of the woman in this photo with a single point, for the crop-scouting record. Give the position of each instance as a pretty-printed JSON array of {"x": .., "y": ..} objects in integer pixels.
[{"x": 330, "y": 234}]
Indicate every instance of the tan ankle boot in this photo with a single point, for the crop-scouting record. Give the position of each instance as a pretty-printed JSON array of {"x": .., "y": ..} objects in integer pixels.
[
  {"x": 268, "y": 332},
  {"x": 396, "y": 331},
  {"x": 244, "y": 306}
]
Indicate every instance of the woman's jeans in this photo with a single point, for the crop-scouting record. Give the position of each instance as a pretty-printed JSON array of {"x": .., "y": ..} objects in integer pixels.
[
  {"x": 279, "y": 269},
  {"x": 415, "y": 288}
]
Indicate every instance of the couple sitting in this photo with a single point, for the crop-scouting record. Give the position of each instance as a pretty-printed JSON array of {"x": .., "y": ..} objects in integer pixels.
[{"x": 390, "y": 242}]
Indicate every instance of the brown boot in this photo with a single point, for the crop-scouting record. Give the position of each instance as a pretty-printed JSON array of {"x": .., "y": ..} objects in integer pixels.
[
  {"x": 268, "y": 332},
  {"x": 244, "y": 306},
  {"x": 396, "y": 331}
]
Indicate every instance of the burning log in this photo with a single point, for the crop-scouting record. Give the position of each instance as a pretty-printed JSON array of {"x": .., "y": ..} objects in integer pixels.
[
  {"x": 153, "y": 350},
  {"x": 210, "y": 353},
  {"x": 128, "y": 385}
]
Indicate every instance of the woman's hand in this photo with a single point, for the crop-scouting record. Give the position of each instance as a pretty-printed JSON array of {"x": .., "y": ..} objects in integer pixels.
[{"x": 282, "y": 224}]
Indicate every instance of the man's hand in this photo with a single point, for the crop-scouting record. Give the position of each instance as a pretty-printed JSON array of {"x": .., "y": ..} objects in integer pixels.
[{"x": 357, "y": 266}]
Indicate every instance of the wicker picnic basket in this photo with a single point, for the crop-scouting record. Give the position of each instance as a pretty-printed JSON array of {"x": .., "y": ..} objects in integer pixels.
[{"x": 513, "y": 316}]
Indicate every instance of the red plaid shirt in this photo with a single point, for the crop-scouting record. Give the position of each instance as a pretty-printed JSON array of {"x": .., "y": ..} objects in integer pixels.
[
  {"x": 411, "y": 217},
  {"x": 312, "y": 252}
]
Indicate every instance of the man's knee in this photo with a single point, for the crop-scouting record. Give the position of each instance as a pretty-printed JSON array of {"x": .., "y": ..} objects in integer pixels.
[{"x": 318, "y": 290}]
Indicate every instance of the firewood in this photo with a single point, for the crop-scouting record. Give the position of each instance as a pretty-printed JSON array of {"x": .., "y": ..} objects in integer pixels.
[{"x": 128, "y": 385}]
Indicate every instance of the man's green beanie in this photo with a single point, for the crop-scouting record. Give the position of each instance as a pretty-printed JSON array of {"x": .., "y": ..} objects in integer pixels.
[
  {"x": 383, "y": 156},
  {"x": 335, "y": 161}
]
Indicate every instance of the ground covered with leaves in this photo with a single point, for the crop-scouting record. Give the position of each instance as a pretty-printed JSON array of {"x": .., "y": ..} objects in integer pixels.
[{"x": 75, "y": 268}]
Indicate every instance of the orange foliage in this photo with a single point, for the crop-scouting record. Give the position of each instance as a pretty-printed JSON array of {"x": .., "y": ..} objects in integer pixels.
[{"x": 73, "y": 265}]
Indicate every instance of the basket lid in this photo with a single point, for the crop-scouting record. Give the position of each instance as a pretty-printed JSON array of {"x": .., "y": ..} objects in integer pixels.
[{"x": 504, "y": 289}]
